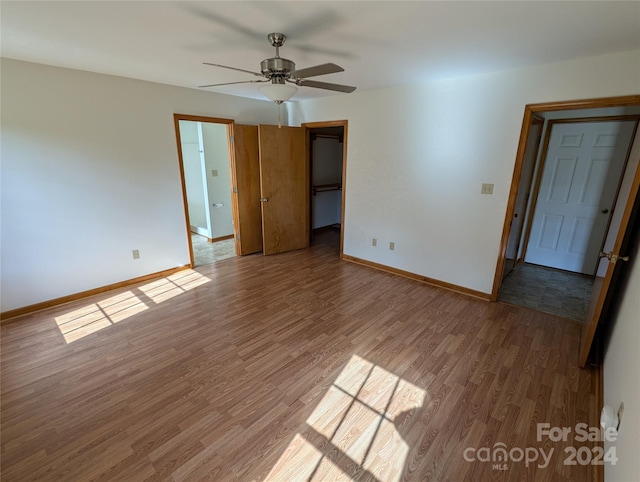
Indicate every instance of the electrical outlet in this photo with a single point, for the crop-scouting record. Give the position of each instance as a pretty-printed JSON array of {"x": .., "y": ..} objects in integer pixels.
[
  {"x": 392, "y": 245},
  {"x": 214, "y": 172},
  {"x": 487, "y": 189},
  {"x": 136, "y": 254},
  {"x": 374, "y": 242}
]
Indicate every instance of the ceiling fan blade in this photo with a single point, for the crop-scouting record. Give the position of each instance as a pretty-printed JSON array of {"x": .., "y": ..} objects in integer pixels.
[
  {"x": 316, "y": 70},
  {"x": 231, "y": 83},
  {"x": 234, "y": 68},
  {"x": 327, "y": 86}
]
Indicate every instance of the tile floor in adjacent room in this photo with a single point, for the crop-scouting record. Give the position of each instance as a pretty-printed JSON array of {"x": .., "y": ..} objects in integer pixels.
[
  {"x": 550, "y": 290},
  {"x": 205, "y": 252}
]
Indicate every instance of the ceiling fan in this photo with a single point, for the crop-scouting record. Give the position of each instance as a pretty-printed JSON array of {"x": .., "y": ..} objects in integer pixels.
[{"x": 278, "y": 71}]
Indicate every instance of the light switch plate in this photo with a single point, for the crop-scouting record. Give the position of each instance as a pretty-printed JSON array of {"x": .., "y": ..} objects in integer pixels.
[{"x": 487, "y": 189}]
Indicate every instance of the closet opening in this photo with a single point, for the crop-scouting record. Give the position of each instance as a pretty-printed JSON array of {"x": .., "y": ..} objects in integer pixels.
[{"x": 327, "y": 152}]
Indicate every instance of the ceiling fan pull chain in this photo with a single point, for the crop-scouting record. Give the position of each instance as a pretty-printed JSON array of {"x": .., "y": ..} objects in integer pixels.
[{"x": 279, "y": 110}]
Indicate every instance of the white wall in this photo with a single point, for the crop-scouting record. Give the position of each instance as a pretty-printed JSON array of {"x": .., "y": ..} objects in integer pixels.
[
  {"x": 216, "y": 154},
  {"x": 622, "y": 380},
  {"x": 89, "y": 173},
  {"x": 418, "y": 154}
]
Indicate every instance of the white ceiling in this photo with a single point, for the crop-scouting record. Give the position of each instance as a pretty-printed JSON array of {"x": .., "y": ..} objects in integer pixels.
[{"x": 379, "y": 44}]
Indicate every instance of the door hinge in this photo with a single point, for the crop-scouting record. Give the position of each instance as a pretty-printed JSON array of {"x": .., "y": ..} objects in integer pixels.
[
  {"x": 231, "y": 139},
  {"x": 235, "y": 189}
]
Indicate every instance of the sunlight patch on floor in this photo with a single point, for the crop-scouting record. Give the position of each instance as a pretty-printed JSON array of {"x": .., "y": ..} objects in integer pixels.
[
  {"x": 94, "y": 317},
  {"x": 354, "y": 428},
  {"x": 174, "y": 285}
]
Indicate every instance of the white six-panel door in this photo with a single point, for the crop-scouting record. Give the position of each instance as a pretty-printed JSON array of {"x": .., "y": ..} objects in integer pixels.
[{"x": 579, "y": 185}]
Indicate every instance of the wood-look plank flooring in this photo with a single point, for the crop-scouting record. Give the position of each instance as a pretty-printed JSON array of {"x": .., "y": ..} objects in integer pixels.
[{"x": 290, "y": 367}]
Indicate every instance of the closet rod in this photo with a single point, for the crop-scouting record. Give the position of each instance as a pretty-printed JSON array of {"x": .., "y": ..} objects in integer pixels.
[
  {"x": 326, "y": 187},
  {"x": 327, "y": 136}
]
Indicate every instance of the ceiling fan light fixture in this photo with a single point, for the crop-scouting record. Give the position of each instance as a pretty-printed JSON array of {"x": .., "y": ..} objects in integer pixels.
[{"x": 279, "y": 93}]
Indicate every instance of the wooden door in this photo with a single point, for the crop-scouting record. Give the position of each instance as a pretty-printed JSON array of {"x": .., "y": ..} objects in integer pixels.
[
  {"x": 609, "y": 265},
  {"x": 284, "y": 187},
  {"x": 245, "y": 180},
  {"x": 580, "y": 180}
]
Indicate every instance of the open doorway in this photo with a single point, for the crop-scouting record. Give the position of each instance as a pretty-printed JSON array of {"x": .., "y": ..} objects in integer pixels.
[
  {"x": 326, "y": 144},
  {"x": 204, "y": 154},
  {"x": 556, "y": 253}
]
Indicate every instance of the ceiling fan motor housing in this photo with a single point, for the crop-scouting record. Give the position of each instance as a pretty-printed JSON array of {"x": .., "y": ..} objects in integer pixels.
[{"x": 277, "y": 67}]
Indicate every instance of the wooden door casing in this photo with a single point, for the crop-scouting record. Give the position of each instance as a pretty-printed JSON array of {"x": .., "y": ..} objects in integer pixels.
[
  {"x": 513, "y": 253},
  {"x": 530, "y": 110}
]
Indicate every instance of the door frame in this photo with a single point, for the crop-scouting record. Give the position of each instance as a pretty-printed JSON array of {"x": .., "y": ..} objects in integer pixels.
[
  {"x": 308, "y": 126},
  {"x": 211, "y": 120},
  {"x": 529, "y": 111},
  {"x": 531, "y": 171}
]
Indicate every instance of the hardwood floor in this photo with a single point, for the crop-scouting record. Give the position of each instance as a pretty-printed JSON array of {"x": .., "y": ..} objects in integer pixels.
[{"x": 289, "y": 367}]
